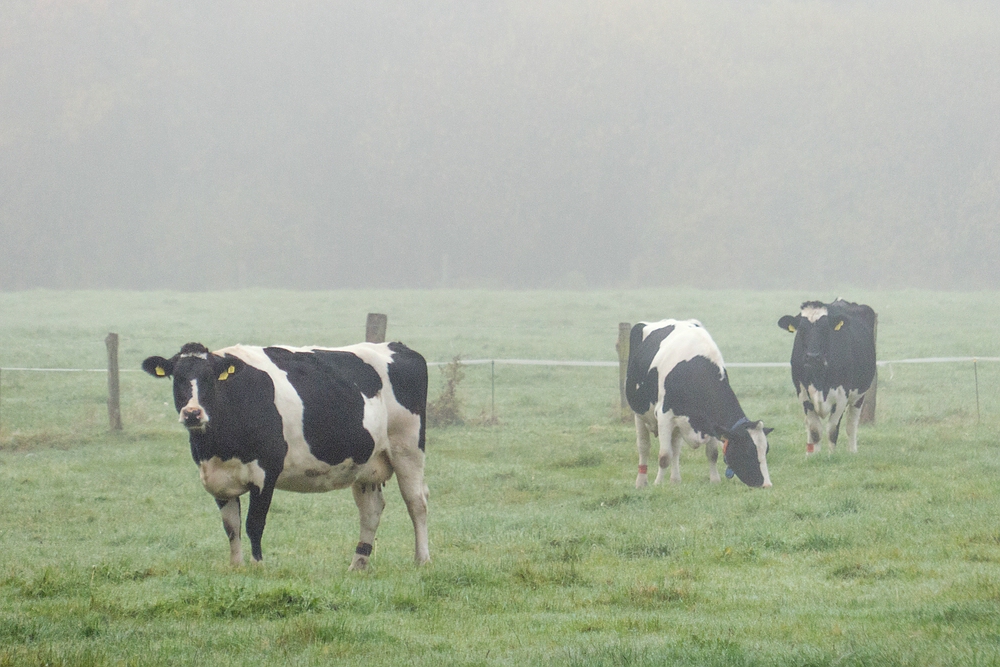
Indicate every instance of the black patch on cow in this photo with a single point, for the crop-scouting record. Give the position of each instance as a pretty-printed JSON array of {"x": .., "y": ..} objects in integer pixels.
[
  {"x": 835, "y": 433},
  {"x": 641, "y": 378},
  {"x": 408, "y": 379},
  {"x": 331, "y": 384},
  {"x": 243, "y": 420},
  {"x": 696, "y": 389}
]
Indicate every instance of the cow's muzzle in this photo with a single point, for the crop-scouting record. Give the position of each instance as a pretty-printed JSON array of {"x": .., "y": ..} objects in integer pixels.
[
  {"x": 814, "y": 360},
  {"x": 194, "y": 418}
]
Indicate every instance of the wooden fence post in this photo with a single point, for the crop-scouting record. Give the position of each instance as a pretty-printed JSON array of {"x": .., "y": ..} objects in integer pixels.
[
  {"x": 375, "y": 327},
  {"x": 624, "y": 329},
  {"x": 114, "y": 395},
  {"x": 868, "y": 408}
]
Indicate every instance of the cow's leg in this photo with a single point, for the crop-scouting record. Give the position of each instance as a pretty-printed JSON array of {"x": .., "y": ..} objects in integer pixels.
[
  {"x": 642, "y": 444},
  {"x": 260, "y": 503},
  {"x": 368, "y": 498},
  {"x": 833, "y": 426},
  {"x": 853, "y": 417},
  {"x": 670, "y": 450},
  {"x": 230, "y": 510},
  {"x": 813, "y": 427},
  {"x": 712, "y": 452},
  {"x": 410, "y": 476}
]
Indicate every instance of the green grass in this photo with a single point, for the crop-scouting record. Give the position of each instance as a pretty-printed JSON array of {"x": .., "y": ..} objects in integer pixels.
[{"x": 543, "y": 551}]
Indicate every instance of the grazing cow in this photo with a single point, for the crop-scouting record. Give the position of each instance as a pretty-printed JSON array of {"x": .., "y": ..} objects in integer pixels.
[
  {"x": 833, "y": 365},
  {"x": 307, "y": 420},
  {"x": 678, "y": 387}
]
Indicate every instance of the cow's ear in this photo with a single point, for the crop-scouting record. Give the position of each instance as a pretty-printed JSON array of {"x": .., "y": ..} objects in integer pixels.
[
  {"x": 767, "y": 430},
  {"x": 158, "y": 367},
  {"x": 789, "y": 323},
  {"x": 227, "y": 366},
  {"x": 839, "y": 324}
]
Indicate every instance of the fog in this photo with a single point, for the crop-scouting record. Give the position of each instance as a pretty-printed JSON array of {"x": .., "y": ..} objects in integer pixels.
[{"x": 202, "y": 145}]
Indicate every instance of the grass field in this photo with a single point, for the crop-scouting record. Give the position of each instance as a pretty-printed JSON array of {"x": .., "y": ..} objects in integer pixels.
[{"x": 543, "y": 551}]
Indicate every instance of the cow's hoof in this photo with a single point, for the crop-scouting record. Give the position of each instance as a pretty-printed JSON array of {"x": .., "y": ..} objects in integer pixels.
[
  {"x": 640, "y": 481},
  {"x": 360, "y": 563}
]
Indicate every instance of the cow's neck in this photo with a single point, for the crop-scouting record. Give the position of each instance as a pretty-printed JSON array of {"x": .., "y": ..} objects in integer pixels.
[{"x": 728, "y": 410}]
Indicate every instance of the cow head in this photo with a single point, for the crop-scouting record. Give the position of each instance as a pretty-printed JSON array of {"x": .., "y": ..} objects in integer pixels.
[
  {"x": 744, "y": 451},
  {"x": 813, "y": 327},
  {"x": 197, "y": 374}
]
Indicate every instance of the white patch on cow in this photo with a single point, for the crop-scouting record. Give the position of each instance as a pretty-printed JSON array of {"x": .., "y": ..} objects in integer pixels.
[
  {"x": 813, "y": 313},
  {"x": 199, "y": 355},
  {"x": 194, "y": 404},
  {"x": 688, "y": 340},
  {"x": 825, "y": 405},
  {"x": 231, "y": 478},
  {"x": 760, "y": 442}
]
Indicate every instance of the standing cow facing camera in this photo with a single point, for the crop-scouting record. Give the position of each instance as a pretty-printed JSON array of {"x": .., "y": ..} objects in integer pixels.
[
  {"x": 833, "y": 366},
  {"x": 307, "y": 420},
  {"x": 678, "y": 388}
]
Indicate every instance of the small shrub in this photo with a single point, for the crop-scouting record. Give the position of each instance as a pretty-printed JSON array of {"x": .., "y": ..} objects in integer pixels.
[{"x": 446, "y": 410}]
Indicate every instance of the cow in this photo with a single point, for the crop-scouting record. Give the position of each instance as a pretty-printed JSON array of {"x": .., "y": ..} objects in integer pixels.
[
  {"x": 833, "y": 366},
  {"x": 305, "y": 419},
  {"x": 678, "y": 388}
]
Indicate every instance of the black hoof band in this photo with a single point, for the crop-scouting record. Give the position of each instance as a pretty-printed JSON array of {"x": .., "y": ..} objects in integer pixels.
[{"x": 364, "y": 549}]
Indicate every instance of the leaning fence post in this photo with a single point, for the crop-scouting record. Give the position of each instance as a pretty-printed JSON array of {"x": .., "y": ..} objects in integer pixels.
[
  {"x": 375, "y": 327},
  {"x": 868, "y": 407},
  {"x": 114, "y": 396},
  {"x": 624, "y": 328}
]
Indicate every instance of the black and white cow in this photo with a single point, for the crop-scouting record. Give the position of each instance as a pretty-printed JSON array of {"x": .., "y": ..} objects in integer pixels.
[
  {"x": 678, "y": 387},
  {"x": 833, "y": 365},
  {"x": 307, "y": 420}
]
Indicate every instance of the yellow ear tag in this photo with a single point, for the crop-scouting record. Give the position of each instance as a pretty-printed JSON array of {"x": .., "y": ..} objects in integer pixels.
[
  {"x": 791, "y": 327},
  {"x": 160, "y": 371},
  {"x": 839, "y": 324},
  {"x": 227, "y": 373}
]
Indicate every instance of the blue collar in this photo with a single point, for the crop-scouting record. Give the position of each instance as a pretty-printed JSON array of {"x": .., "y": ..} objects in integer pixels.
[{"x": 741, "y": 422}]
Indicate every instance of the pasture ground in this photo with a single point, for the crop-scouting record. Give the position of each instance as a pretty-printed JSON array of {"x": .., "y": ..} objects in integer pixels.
[{"x": 543, "y": 551}]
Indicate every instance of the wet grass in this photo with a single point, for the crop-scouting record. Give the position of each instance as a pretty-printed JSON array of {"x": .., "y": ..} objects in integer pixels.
[{"x": 543, "y": 551}]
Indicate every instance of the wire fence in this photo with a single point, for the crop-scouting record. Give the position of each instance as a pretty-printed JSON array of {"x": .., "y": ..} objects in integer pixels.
[{"x": 63, "y": 403}]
